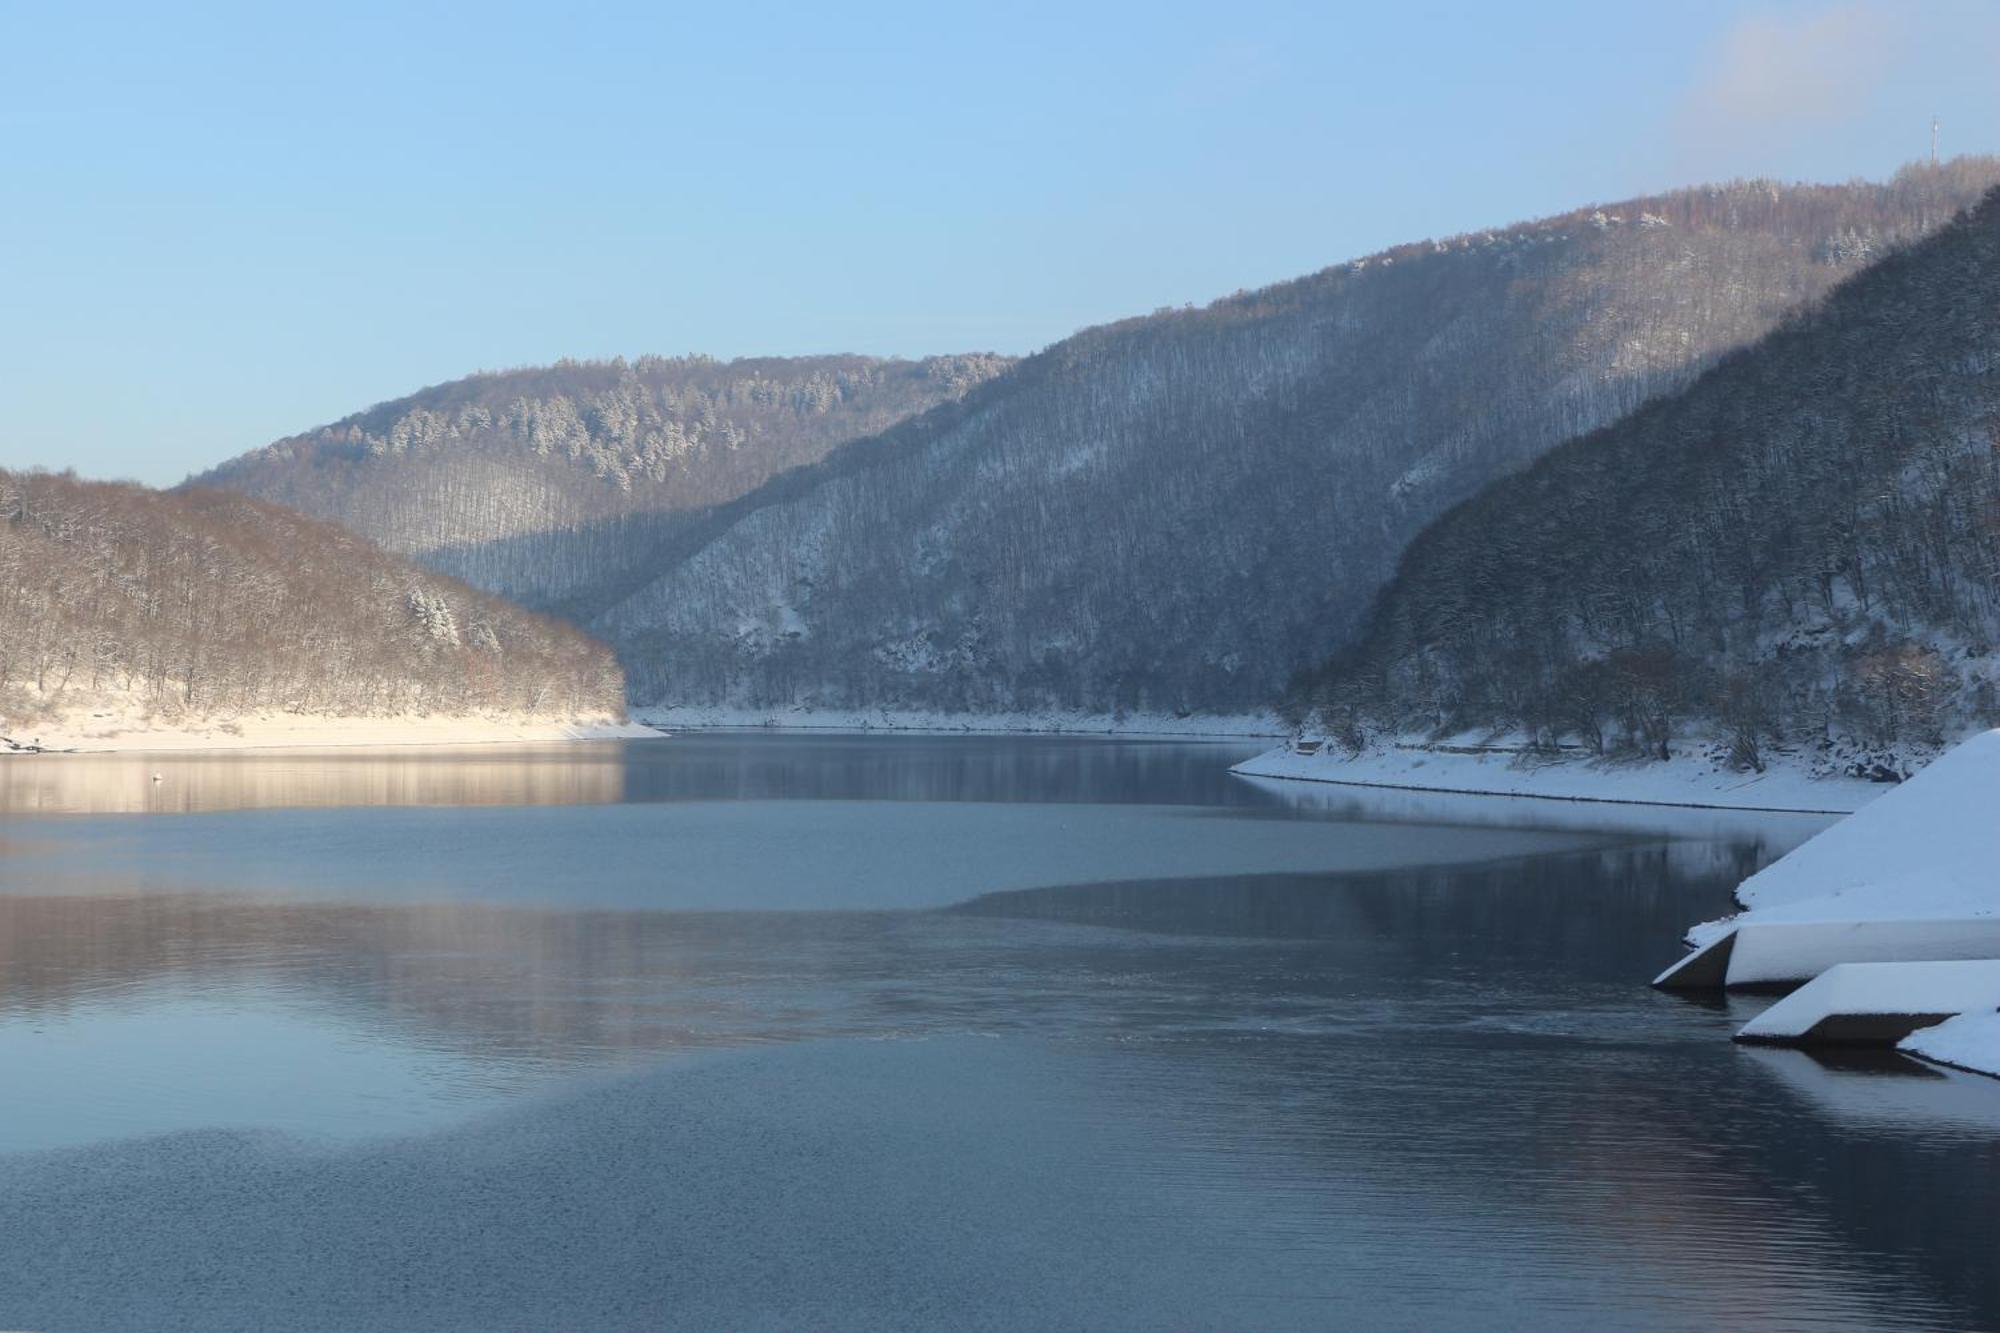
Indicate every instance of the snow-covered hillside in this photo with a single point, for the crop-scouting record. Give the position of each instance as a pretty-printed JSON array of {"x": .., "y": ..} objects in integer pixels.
[
  {"x": 554, "y": 484},
  {"x": 1175, "y": 513},
  {"x": 202, "y": 614},
  {"x": 1796, "y": 552}
]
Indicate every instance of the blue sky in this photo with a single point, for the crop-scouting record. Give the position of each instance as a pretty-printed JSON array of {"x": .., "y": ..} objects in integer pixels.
[{"x": 220, "y": 225}]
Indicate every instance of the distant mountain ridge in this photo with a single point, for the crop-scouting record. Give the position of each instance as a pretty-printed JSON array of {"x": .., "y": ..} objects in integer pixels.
[
  {"x": 520, "y": 481},
  {"x": 1174, "y": 513},
  {"x": 1800, "y": 551},
  {"x": 1178, "y": 512}
]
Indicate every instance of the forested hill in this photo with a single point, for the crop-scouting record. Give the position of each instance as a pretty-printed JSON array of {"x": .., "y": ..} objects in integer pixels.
[
  {"x": 1801, "y": 550},
  {"x": 1180, "y": 511},
  {"x": 536, "y": 483},
  {"x": 204, "y": 604}
]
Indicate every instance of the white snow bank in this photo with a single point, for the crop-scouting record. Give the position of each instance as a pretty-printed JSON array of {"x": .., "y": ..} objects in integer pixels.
[
  {"x": 1928, "y": 847},
  {"x": 1969, "y": 1041},
  {"x": 120, "y": 731},
  {"x": 1914, "y": 876},
  {"x": 1687, "y": 779},
  {"x": 705, "y": 716},
  {"x": 1928, "y": 850},
  {"x": 1840, "y": 1002}
]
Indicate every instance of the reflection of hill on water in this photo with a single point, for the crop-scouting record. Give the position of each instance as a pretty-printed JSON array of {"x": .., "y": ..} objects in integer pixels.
[
  {"x": 1508, "y": 1066},
  {"x": 692, "y": 766},
  {"x": 548, "y": 774},
  {"x": 507, "y": 981},
  {"x": 1528, "y": 904},
  {"x": 499, "y": 982}
]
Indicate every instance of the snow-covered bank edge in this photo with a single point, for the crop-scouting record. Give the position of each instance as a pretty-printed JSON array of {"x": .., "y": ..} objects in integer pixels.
[
  {"x": 720, "y": 717},
  {"x": 1685, "y": 780},
  {"x": 113, "y": 734},
  {"x": 1969, "y": 1041}
]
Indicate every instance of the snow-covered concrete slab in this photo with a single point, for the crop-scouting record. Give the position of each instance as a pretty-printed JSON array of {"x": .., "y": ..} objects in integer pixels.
[
  {"x": 1706, "y": 967},
  {"x": 1929, "y": 846},
  {"x": 1925, "y": 851},
  {"x": 1876, "y": 1004},
  {"x": 1768, "y": 953},
  {"x": 1969, "y": 1041}
]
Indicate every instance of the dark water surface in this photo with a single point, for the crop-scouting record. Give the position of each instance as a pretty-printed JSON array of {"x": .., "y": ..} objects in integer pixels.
[{"x": 761, "y": 1031}]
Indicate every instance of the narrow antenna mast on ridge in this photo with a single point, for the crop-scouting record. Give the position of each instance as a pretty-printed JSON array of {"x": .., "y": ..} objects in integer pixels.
[{"x": 1934, "y": 130}]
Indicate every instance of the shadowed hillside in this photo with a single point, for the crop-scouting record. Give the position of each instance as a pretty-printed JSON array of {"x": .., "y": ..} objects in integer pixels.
[{"x": 1800, "y": 550}]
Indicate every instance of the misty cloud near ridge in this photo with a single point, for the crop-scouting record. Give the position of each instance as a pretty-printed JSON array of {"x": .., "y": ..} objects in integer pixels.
[{"x": 1775, "y": 80}]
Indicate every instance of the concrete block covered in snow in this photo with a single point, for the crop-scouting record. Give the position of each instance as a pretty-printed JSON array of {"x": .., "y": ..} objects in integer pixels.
[
  {"x": 1768, "y": 953},
  {"x": 1930, "y": 847},
  {"x": 1876, "y": 1004}
]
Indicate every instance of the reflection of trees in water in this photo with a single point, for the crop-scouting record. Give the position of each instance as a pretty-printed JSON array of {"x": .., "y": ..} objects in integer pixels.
[
  {"x": 188, "y": 784},
  {"x": 1476, "y": 1040},
  {"x": 1806, "y": 1186},
  {"x": 1525, "y": 910},
  {"x": 1483, "y": 1034},
  {"x": 506, "y": 980},
  {"x": 947, "y": 768},
  {"x": 686, "y": 767},
  {"x": 502, "y": 983}
]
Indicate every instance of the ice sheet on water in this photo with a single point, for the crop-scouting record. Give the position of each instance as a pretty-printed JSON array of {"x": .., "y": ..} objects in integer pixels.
[{"x": 720, "y": 855}]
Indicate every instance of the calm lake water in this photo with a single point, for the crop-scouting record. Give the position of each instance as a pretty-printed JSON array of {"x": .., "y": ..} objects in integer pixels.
[{"x": 766, "y": 1031}]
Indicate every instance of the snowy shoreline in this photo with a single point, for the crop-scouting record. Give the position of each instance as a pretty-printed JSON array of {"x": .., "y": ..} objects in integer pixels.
[
  {"x": 1686, "y": 780},
  {"x": 116, "y": 734},
  {"x": 731, "y": 718}
]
